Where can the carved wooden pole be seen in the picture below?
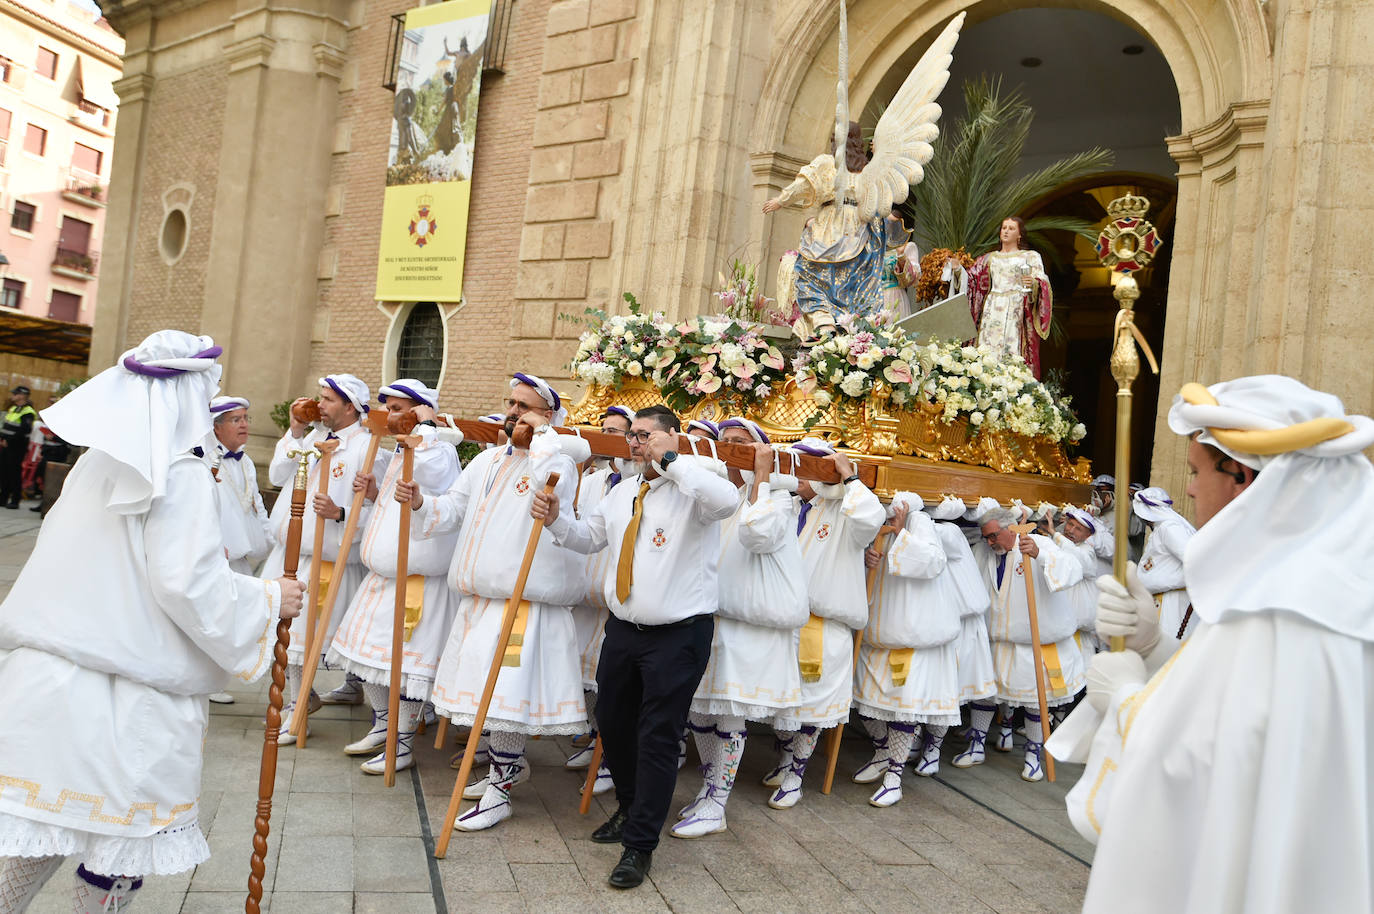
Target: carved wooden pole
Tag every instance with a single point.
(400, 425)
(267, 774)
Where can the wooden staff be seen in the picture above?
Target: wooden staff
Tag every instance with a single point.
(326, 449)
(833, 747)
(267, 774)
(502, 641)
(585, 806)
(1036, 653)
(400, 425)
(374, 422)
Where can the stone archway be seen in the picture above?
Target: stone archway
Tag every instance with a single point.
(1220, 54)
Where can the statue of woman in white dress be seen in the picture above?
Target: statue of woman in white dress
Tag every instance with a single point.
(1009, 295)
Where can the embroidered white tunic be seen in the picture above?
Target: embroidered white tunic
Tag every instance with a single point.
(243, 519)
(842, 521)
(1052, 571)
(345, 463)
(362, 644)
(753, 669)
(977, 679)
(489, 506)
(141, 617)
(589, 615)
(915, 606)
(1161, 571)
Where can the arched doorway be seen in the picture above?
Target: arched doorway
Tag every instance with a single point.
(1218, 55)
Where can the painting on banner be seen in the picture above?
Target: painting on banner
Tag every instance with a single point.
(429, 163)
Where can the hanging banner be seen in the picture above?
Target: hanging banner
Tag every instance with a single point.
(429, 166)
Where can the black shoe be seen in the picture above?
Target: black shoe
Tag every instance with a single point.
(609, 832)
(14, 506)
(37, 510)
(631, 870)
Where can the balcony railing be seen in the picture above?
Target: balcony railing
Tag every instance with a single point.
(83, 262)
(84, 184)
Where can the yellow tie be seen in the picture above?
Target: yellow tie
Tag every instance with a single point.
(624, 572)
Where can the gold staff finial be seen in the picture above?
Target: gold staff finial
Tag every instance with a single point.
(1127, 243)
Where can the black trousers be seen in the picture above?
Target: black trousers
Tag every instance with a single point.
(11, 472)
(645, 682)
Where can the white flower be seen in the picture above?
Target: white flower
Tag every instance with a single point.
(1077, 432)
(836, 376)
(976, 417)
(993, 414)
(822, 398)
(603, 373)
(853, 383)
(867, 359)
(634, 369)
(731, 355)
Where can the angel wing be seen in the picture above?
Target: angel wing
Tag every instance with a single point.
(901, 141)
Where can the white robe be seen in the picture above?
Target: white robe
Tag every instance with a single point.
(1220, 786)
(362, 643)
(973, 649)
(1013, 659)
(837, 531)
(753, 669)
(915, 605)
(1161, 571)
(345, 463)
(243, 519)
(1082, 596)
(123, 652)
(591, 613)
(490, 507)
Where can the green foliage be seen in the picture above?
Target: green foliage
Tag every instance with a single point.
(971, 186)
(281, 415)
(70, 385)
(468, 450)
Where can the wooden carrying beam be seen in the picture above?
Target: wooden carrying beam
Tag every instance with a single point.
(741, 456)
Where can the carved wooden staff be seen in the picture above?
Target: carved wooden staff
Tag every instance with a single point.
(833, 748)
(267, 774)
(400, 425)
(326, 449)
(502, 641)
(374, 422)
(1036, 653)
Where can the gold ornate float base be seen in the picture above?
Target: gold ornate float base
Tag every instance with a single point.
(915, 451)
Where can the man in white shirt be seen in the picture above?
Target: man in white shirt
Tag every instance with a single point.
(662, 525)
(362, 643)
(141, 617)
(753, 671)
(539, 689)
(243, 520)
(343, 400)
(837, 522)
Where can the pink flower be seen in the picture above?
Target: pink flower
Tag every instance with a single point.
(744, 371)
(773, 359)
(898, 373)
(708, 384)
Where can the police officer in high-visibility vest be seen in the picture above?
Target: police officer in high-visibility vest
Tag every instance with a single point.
(14, 443)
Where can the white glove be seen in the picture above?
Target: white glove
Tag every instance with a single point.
(1110, 671)
(1130, 613)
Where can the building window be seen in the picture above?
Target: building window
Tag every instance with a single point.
(22, 220)
(4, 134)
(46, 65)
(36, 140)
(12, 295)
(86, 159)
(420, 354)
(6, 68)
(65, 306)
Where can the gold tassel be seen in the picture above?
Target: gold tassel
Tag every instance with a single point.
(812, 649)
(415, 602)
(517, 634)
(899, 662)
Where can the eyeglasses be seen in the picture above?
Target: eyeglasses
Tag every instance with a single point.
(641, 437)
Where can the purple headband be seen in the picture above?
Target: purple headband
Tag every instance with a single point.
(526, 379)
(1140, 497)
(226, 407)
(706, 425)
(340, 391)
(1082, 517)
(406, 391)
(742, 424)
(810, 451)
(157, 371)
(623, 412)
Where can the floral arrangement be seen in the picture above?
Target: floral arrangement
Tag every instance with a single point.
(714, 356)
(741, 299)
(862, 356)
(705, 356)
(994, 393)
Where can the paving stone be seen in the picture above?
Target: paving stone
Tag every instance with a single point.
(393, 903)
(310, 902)
(390, 865)
(320, 814)
(315, 863)
(387, 816)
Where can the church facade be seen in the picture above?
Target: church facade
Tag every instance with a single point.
(627, 145)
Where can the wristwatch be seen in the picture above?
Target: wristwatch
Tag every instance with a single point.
(848, 479)
(667, 458)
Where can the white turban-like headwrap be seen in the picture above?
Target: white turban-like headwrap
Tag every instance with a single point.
(351, 388)
(1296, 539)
(150, 407)
(949, 508)
(410, 389)
(549, 395)
(221, 405)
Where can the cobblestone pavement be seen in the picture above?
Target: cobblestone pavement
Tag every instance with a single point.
(974, 840)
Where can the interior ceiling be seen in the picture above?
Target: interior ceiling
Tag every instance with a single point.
(1085, 91)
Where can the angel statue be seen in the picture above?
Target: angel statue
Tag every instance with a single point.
(839, 264)
(1009, 295)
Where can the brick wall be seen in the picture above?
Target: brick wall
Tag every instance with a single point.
(351, 328)
(185, 124)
